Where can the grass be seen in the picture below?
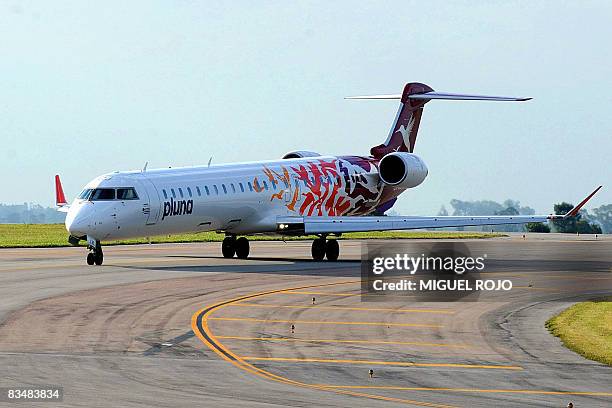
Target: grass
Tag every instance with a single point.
(586, 328)
(55, 235)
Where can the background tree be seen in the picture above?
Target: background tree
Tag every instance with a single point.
(537, 227)
(603, 216)
(566, 225)
(510, 227)
(580, 223)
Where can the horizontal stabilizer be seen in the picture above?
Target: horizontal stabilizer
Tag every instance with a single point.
(444, 96)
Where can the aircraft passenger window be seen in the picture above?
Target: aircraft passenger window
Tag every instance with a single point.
(233, 188)
(85, 194)
(265, 185)
(198, 190)
(224, 189)
(181, 192)
(103, 194)
(241, 187)
(189, 191)
(173, 193)
(128, 193)
(165, 194)
(207, 190)
(250, 186)
(216, 189)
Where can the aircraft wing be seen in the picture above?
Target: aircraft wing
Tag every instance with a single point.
(330, 225)
(307, 225)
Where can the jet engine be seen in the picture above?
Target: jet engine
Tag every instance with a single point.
(402, 170)
(299, 154)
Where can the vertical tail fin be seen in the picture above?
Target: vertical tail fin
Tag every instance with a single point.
(403, 133)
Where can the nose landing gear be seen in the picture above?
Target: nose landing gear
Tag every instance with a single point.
(95, 256)
(322, 247)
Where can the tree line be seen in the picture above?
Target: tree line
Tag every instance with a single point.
(596, 222)
(27, 213)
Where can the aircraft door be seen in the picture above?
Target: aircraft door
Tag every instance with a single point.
(151, 207)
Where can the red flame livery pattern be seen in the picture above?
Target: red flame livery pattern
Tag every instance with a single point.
(346, 185)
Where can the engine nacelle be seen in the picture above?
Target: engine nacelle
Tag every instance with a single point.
(402, 170)
(299, 154)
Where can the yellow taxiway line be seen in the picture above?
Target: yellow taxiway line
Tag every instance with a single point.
(474, 390)
(287, 339)
(199, 324)
(390, 363)
(249, 319)
(361, 309)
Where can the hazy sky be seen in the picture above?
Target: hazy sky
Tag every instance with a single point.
(92, 87)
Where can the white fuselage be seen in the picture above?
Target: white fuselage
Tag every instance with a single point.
(243, 198)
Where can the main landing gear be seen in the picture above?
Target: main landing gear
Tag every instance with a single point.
(322, 247)
(95, 255)
(235, 246)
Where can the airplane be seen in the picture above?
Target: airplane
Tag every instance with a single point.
(303, 193)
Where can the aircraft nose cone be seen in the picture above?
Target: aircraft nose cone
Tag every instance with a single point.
(78, 222)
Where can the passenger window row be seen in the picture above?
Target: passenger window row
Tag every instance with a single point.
(230, 188)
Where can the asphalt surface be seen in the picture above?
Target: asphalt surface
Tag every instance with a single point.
(178, 325)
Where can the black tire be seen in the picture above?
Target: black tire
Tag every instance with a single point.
(228, 247)
(242, 248)
(98, 257)
(318, 249)
(332, 250)
(90, 258)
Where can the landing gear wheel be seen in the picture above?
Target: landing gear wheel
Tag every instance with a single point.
(318, 249)
(95, 255)
(242, 248)
(332, 250)
(98, 256)
(228, 247)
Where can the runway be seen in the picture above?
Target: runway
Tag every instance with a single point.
(178, 325)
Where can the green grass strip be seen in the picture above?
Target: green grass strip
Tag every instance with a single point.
(586, 328)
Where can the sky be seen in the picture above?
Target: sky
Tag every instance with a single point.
(93, 87)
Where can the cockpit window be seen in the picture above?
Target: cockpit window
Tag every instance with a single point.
(85, 194)
(128, 193)
(103, 194)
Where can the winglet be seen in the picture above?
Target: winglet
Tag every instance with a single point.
(60, 198)
(574, 211)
